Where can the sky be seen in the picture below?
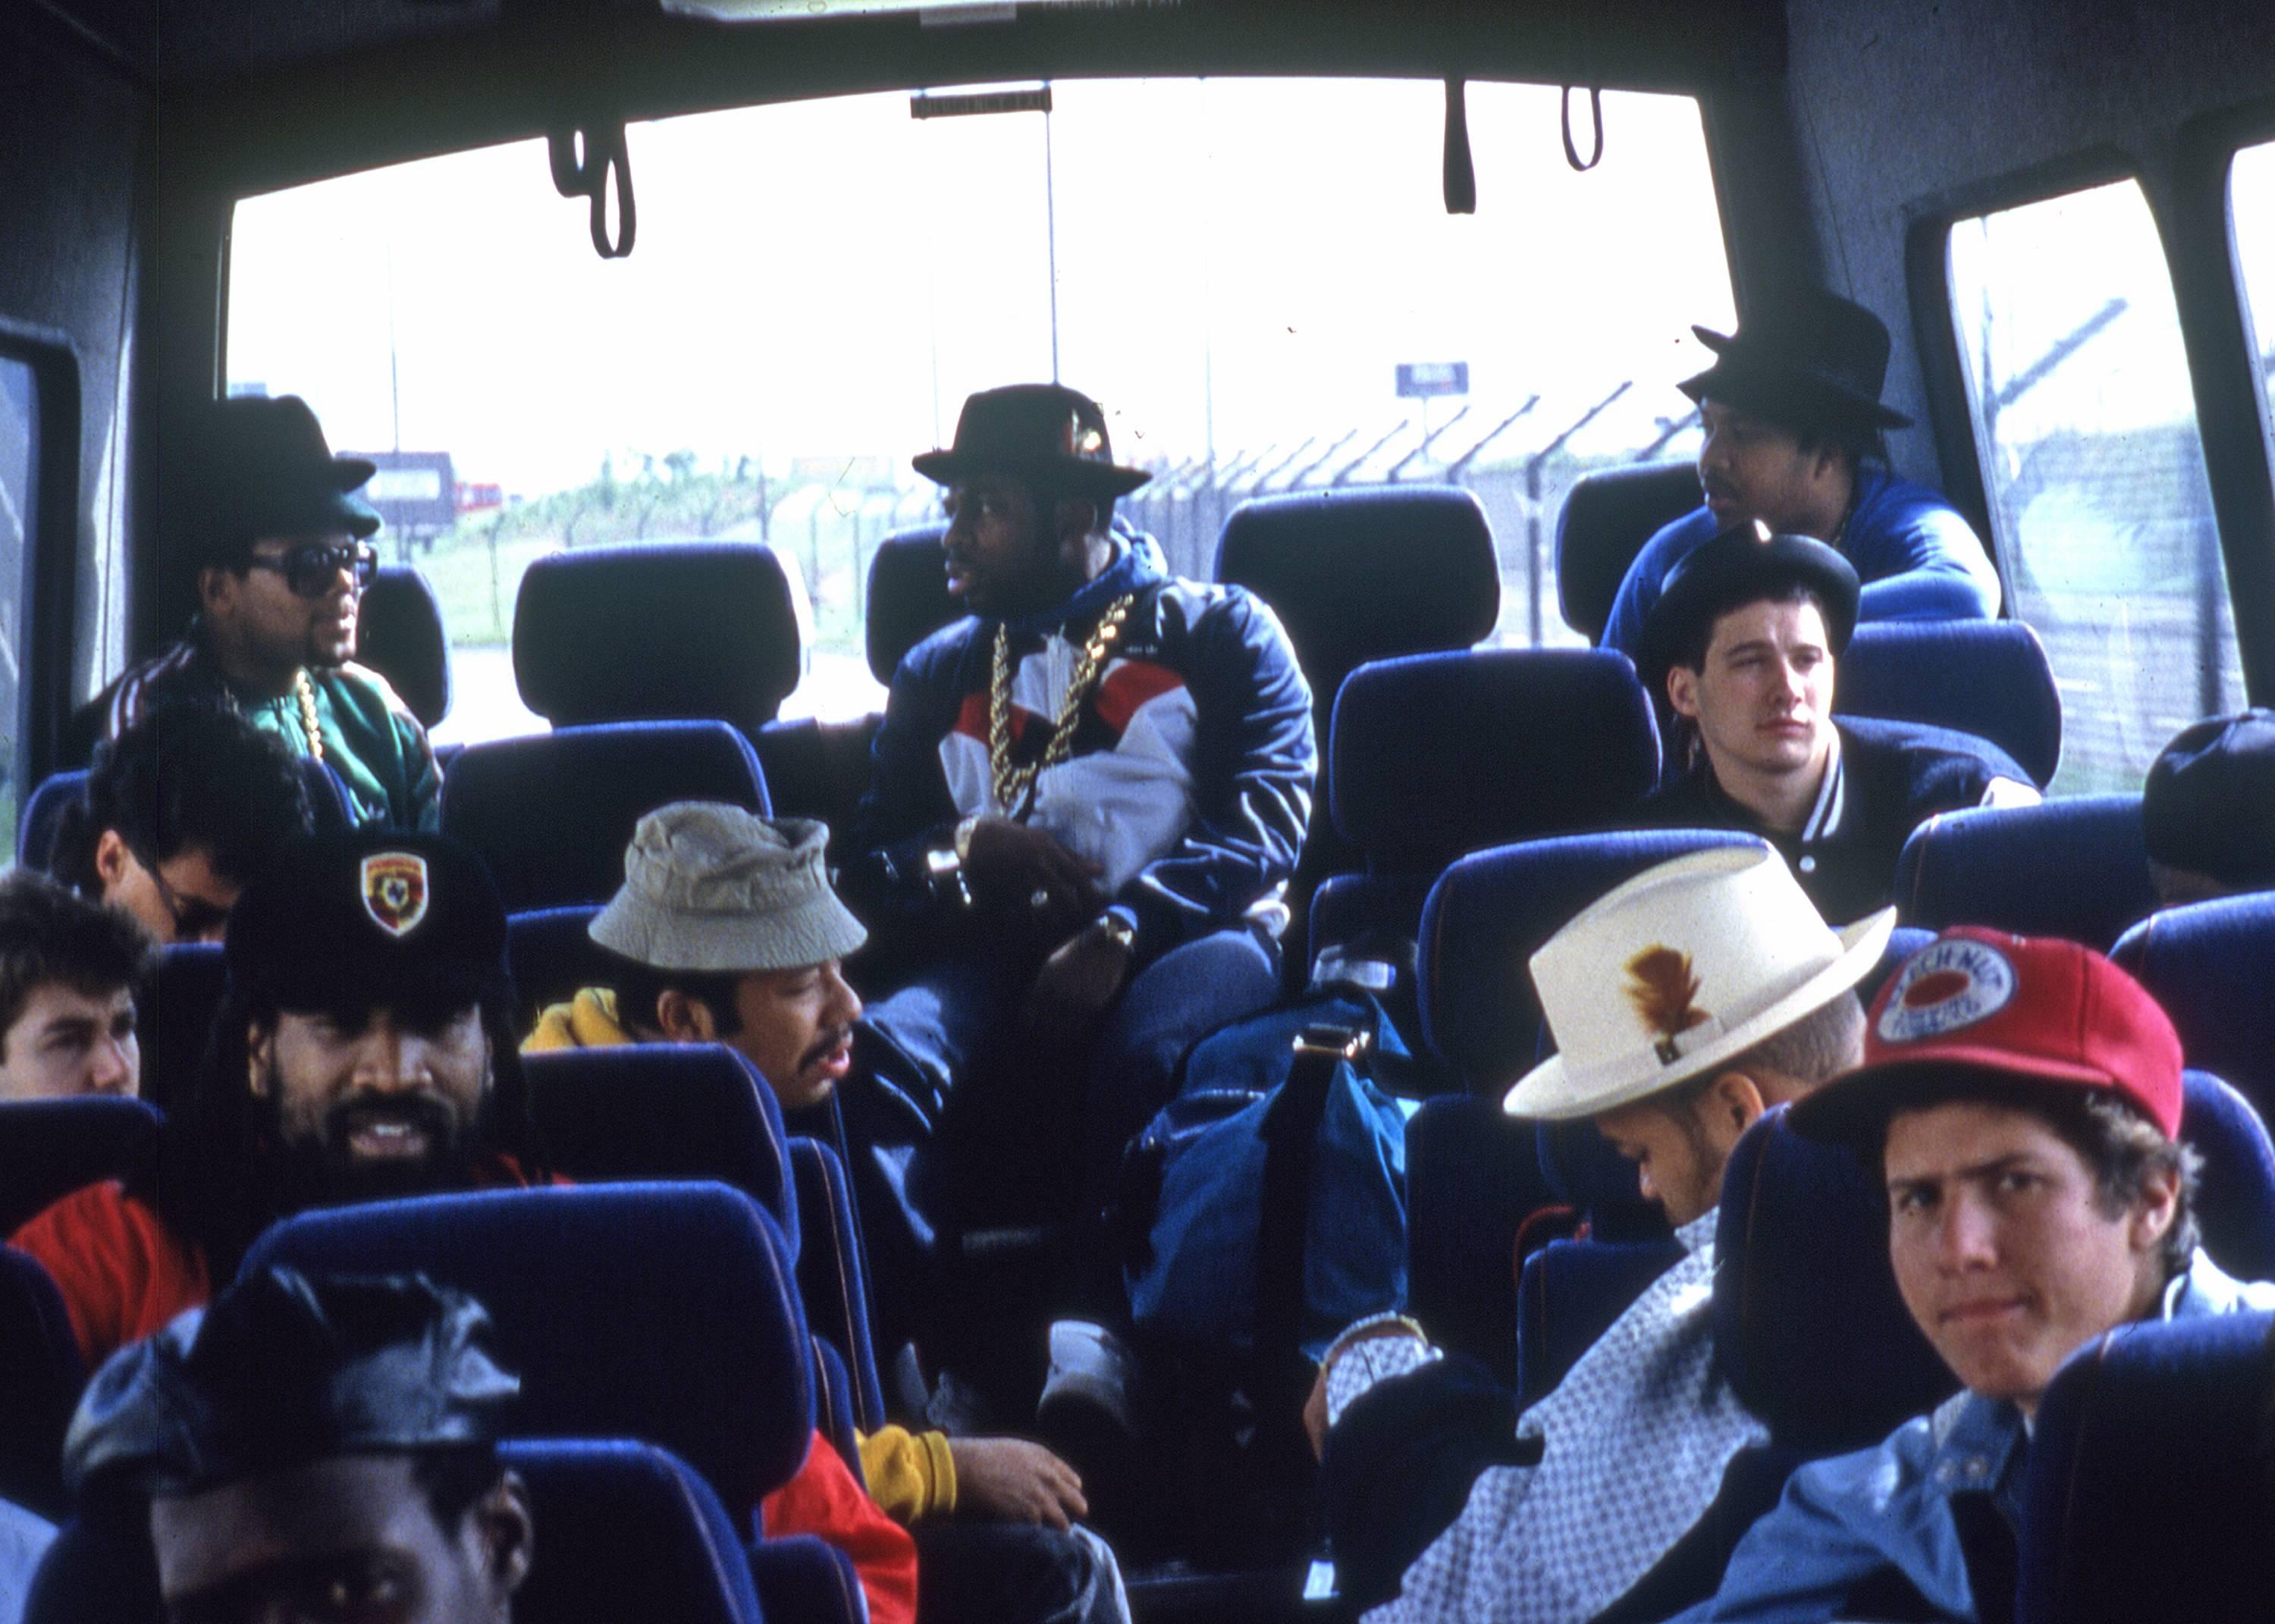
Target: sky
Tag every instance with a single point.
(1241, 265)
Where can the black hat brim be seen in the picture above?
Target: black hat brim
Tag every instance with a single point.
(1088, 479)
(1735, 568)
(1782, 392)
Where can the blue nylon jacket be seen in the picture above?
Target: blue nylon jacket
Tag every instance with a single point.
(1918, 559)
(1253, 756)
(1848, 1525)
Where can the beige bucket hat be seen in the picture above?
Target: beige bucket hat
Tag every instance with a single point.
(711, 886)
(1679, 969)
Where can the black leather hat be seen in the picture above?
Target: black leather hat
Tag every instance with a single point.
(281, 1371)
(366, 918)
(1043, 429)
(261, 467)
(1811, 361)
(2209, 806)
(1743, 565)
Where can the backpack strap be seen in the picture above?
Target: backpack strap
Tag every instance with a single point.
(1291, 1131)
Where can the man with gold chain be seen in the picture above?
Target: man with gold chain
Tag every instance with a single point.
(282, 554)
(1087, 800)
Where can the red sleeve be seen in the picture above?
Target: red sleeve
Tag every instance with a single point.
(122, 1273)
(824, 1501)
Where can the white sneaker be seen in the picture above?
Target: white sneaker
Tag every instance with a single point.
(1093, 1368)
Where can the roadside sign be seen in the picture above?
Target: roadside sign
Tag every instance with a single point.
(1421, 380)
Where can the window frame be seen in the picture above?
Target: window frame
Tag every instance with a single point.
(52, 548)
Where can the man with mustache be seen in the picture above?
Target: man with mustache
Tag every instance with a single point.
(2021, 1098)
(1742, 645)
(1794, 430)
(282, 546)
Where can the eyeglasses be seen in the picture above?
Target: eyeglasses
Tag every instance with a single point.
(195, 919)
(312, 567)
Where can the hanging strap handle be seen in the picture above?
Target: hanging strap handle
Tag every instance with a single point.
(1461, 171)
(1596, 116)
(603, 154)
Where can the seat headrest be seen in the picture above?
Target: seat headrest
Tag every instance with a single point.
(2235, 1202)
(552, 813)
(1435, 755)
(551, 955)
(1807, 1322)
(1491, 911)
(1989, 678)
(2075, 867)
(2148, 1493)
(627, 1531)
(661, 1312)
(663, 1112)
(2210, 965)
(43, 820)
(657, 630)
(908, 597)
(1606, 519)
(174, 1017)
(399, 634)
(1365, 574)
(51, 1147)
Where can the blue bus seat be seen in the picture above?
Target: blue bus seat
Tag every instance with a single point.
(654, 631)
(1569, 1295)
(1472, 1181)
(804, 1579)
(40, 824)
(2235, 1200)
(51, 1147)
(833, 1405)
(95, 1571)
(42, 1374)
(552, 813)
(908, 597)
(663, 1312)
(653, 1112)
(2075, 868)
(1987, 677)
(833, 1272)
(2210, 965)
(626, 1531)
(399, 634)
(2148, 1493)
(551, 955)
(1607, 517)
(174, 1015)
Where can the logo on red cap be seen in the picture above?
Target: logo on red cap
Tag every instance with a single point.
(394, 890)
(1949, 985)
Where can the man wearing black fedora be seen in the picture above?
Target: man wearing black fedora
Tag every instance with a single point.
(1794, 425)
(1087, 800)
(1741, 647)
(281, 544)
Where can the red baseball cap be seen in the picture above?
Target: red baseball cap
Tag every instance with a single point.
(2032, 1007)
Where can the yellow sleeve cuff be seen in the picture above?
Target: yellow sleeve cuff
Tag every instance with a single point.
(910, 1475)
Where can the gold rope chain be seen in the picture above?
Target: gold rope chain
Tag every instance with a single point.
(307, 691)
(1012, 783)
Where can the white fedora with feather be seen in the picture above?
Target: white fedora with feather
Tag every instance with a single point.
(1681, 968)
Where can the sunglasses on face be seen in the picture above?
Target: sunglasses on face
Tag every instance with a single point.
(311, 568)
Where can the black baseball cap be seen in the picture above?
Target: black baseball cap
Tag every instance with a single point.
(2209, 806)
(369, 917)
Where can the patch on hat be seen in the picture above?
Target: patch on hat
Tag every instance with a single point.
(1950, 984)
(394, 890)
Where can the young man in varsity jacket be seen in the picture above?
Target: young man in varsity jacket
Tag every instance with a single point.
(1087, 800)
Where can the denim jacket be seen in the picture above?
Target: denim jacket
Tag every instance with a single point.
(1849, 1524)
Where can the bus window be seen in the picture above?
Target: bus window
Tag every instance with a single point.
(2086, 428)
(20, 418)
(1257, 277)
(2251, 205)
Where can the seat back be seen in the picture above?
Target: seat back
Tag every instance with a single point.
(551, 954)
(908, 597)
(664, 1112)
(657, 630)
(2210, 965)
(661, 1312)
(626, 1531)
(1490, 912)
(399, 634)
(1807, 1322)
(551, 814)
(95, 1571)
(174, 1015)
(51, 1147)
(1570, 1294)
(2148, 1494)
(42, 1375)
(1365, 573)
(2075, 868)
(1472, 1181)
(1989, 679)
(1606, 518)
(2235, 1197)
(833, 1272)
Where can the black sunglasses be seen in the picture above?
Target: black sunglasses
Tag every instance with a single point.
(310, 569)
